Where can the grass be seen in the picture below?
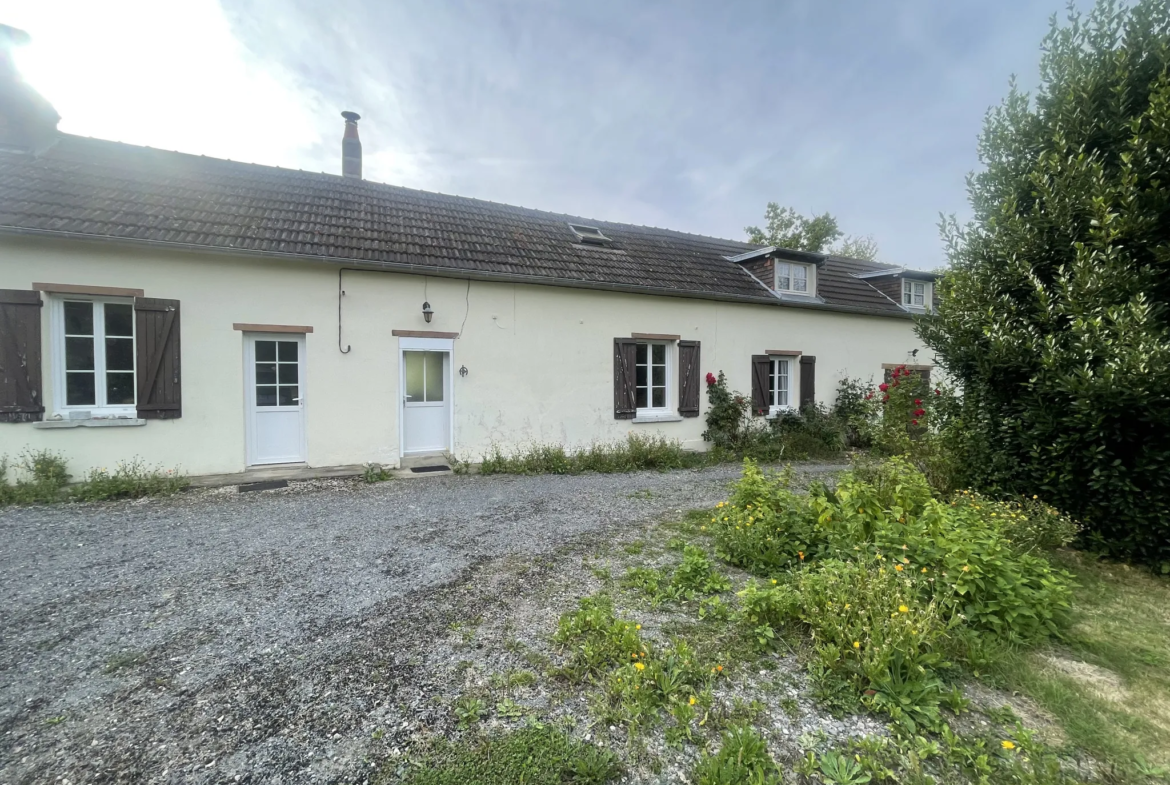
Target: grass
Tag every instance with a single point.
(535, 755)
(635, 453)
(1108, 682)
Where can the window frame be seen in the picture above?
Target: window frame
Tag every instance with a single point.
(792, 361)
(99, 409)
(669, 361)
(810, 278)
(908, 294)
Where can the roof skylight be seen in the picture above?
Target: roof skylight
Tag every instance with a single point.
(589, 234)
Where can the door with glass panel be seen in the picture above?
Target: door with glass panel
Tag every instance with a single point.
(274, 378)
(426, 400)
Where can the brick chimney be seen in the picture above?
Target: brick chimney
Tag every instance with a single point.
(351, 147)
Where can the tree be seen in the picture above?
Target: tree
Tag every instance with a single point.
(787, 228)
(1054, 316)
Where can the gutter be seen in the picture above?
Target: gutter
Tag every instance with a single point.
(416, 268)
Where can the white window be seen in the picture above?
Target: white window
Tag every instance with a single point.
(780, 384)
(94, 357)
(916, 294)
(794, 278)
(652, 377)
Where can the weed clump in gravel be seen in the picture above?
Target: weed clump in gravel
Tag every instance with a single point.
(44, 479)
(635, 453)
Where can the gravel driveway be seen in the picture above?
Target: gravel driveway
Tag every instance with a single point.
(258, 637)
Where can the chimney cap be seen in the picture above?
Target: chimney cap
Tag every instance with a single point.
(351, 117)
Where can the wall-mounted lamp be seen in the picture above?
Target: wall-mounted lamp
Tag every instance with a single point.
(428, 312)
(463, 370)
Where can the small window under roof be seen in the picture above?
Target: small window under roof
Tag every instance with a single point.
(590, 234)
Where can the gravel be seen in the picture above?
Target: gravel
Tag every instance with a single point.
(284, 636)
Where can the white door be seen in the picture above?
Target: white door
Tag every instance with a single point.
(274, 377)
(426, 398)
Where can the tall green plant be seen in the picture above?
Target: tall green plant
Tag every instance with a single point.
(1053, 317)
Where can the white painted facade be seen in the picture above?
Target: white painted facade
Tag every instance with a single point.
(539, 359)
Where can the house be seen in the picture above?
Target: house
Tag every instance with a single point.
(217, 316)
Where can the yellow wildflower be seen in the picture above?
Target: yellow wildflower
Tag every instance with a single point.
(857, 644)
(640, 665)
(692, 701)
(898, 567)
(903, 609)
(637, 626)
(1007, 745)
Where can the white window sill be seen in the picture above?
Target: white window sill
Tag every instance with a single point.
(110, 422)
(657, 417)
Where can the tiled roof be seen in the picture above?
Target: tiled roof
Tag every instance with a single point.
(90, 187)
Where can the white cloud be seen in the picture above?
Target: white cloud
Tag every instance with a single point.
(169, 75)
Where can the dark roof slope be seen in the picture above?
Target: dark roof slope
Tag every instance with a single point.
(96, 188)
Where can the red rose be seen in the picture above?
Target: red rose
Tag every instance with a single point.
(917, 401)
(938, 392)
(885, 398)
(883, 386)
(868, 396)
(896, 382)
(919, 412)
(914, 422)
(711, 379)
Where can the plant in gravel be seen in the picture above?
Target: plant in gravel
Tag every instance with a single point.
(509, 709)
(598, 640)
(374, 473)
(695, 577)
(469, 710)
(742, 759)
(637, 452)
(129, 480)
(836, 769)
(43, 477)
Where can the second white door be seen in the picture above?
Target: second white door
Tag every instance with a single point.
(426, 401)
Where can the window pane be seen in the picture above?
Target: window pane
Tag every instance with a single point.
(640, 354)
(266, 351)
(119, 354)
(434, 377)
(659, 353)
(288, 395)
(79, 354)
(119, 388)
(288, 351)
(640, 398)
(79, 389)
(265, 395)
(79, 318)
(658, 375)
(414, 376)
(266, 373)
(119, 319)
(659, 398)
(640, 375)
(288, 373)
(799, 278)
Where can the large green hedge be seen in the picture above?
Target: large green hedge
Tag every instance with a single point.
(1053, 317)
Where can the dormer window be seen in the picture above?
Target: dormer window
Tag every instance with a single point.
(590, 235)
(794, 278)
(916, 294)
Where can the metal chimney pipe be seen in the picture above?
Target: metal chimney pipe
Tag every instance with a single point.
(351, 147)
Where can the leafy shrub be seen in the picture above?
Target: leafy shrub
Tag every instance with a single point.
(637, 452)
(742, 759)
(732, 430)
(129, 480)
(846, 562)
(374, 473)
(43, 478)
(1053, 315)
(851, 408)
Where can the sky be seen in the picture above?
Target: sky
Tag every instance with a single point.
(672, 113)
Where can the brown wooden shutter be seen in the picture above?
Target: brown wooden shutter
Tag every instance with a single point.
(20, 356)
(761, 370)
(808, 380)
(625, 357)
(160, 395)
(688, 378)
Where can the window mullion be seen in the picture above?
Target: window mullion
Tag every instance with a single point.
(99, 354)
